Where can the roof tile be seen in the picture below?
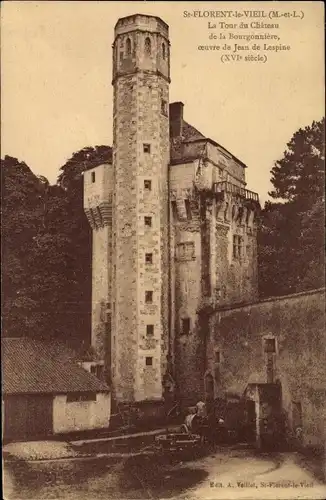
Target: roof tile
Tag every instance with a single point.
(31, 366)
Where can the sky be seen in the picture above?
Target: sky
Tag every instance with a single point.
(57, 92)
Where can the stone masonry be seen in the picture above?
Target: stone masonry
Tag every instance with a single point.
(177, 232)
(140, 164)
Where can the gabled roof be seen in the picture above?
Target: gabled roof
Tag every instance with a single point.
(190, 133)
(183, 140)
(30, 366)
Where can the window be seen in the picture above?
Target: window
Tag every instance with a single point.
(128, 47)
(186, 251)
(269, 345)
(146, 148)
(148, 185)
(149, 361)
(148, 258)
(297, 415)
(164, 107)
(163, 51)
(76, 397)
(237, 246)
(98, 371)
(217, 357)
(149, 297)
(188, 209)
(185, 326)
(148, 46)
(149, 330)
(148, 221)
(174, 210)
(93, 176)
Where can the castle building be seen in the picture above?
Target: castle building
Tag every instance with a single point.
(174, 229)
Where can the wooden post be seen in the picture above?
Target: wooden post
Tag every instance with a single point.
(257, 410)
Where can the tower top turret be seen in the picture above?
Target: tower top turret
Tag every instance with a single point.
(141, 22)
(141, 43)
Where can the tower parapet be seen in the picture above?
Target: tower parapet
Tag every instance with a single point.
(141, 44)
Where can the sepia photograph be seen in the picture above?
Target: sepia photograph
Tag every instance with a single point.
(163, 250)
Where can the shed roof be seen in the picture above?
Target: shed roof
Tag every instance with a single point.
(31, 366)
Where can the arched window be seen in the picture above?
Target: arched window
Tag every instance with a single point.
(148, 46)
(128, 47)
(163, 51)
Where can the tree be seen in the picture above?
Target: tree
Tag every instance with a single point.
(89, 157)
(299, 175)
(22, 222)
(290, 239)
(46, 251)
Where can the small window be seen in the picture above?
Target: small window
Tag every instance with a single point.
(93, 176)
(188, 209)
(217, 357)
(100, 371)
(186, 251)
(163, 51)
(149, 297)
(77, 397)
(237, 246)
(149, 330)
(148, 185)
(148, 221)
(128, 47)
(164, 107)
(149, 361)
(174, 210)
(148, 46)
(269, 345)
(147, 148)
(186, 326)
(148, 258)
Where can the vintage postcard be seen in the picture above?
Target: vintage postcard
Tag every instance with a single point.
(162, 202)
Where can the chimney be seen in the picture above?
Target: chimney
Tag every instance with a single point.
(176, 119)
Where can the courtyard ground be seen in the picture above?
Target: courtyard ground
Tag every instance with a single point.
(228, 473)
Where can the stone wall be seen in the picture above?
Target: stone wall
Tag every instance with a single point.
(235, 354)
(125, 223)
(140, 201)
(205, 270)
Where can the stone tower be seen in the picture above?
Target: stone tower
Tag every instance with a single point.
(140, 250)
(98, 186)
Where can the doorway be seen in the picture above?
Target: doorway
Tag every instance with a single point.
(209, 387)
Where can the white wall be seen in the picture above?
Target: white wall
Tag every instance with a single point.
(101, 190)
(98, 209)
(68, 417)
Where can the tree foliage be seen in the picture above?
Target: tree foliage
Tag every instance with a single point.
(46, 251)
(22, 211)
(291, 236)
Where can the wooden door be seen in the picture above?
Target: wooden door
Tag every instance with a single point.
(15, 410)
(40, 416)
(28, 416)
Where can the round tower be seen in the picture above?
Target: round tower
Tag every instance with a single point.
(141, 76)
